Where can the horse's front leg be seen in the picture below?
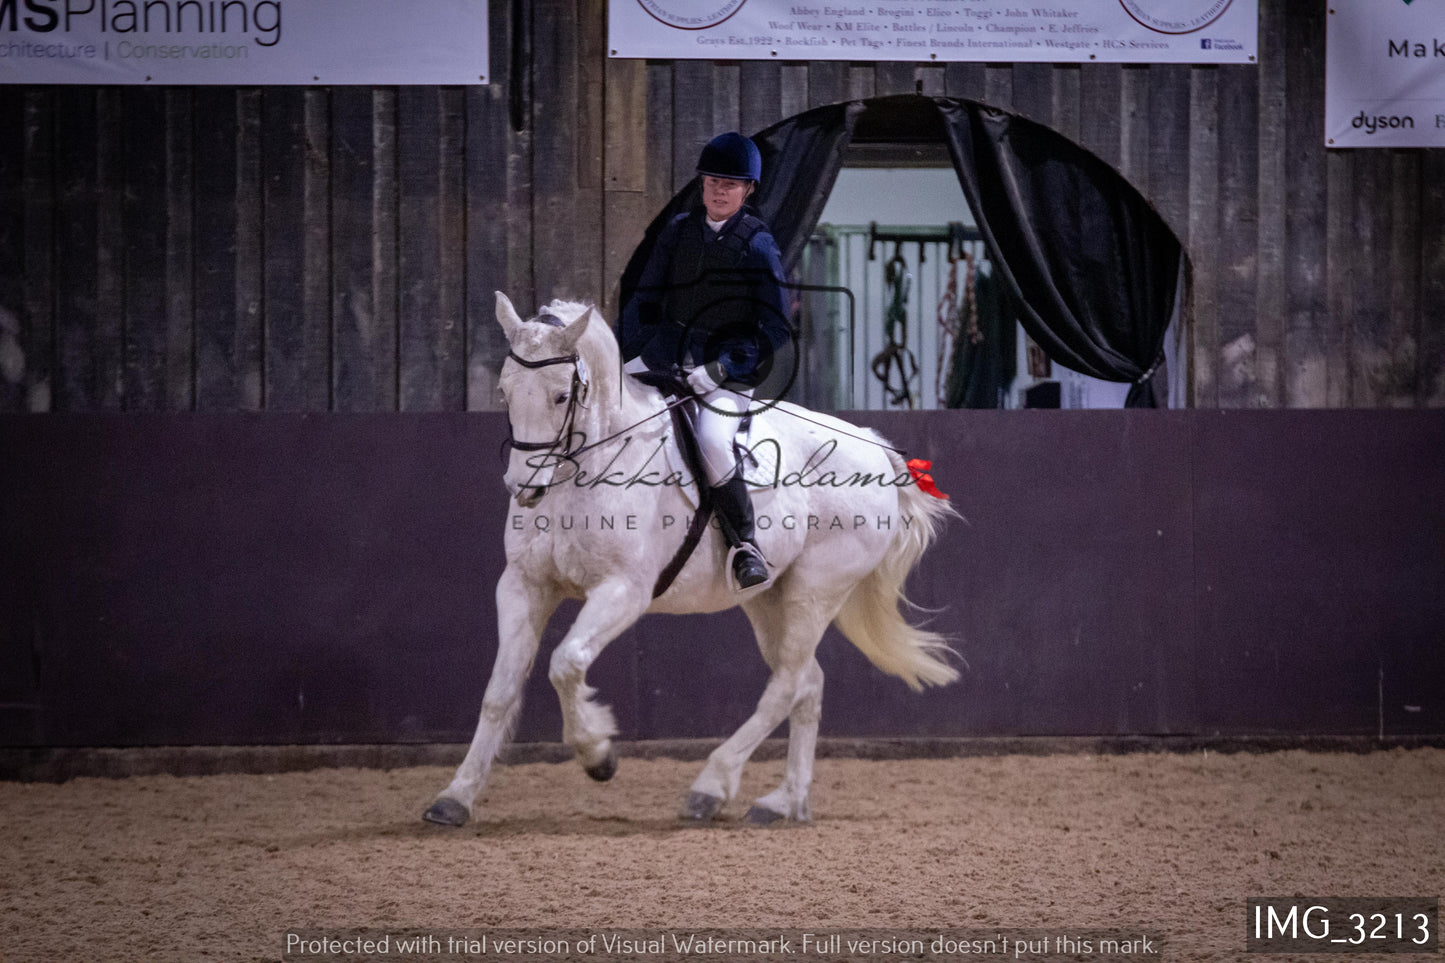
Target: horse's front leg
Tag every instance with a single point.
(522, 613)
(587, 726)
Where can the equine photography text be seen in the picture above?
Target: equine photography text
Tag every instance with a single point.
(541, 522)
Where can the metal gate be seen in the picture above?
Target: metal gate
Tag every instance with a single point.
(847, 334)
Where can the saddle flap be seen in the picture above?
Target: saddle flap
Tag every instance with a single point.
(758, 451)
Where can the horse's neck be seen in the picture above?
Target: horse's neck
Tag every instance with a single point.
(631, 409)
(638, 401)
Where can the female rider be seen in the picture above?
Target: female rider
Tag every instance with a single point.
(710, 303)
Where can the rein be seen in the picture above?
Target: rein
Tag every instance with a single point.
(704, 501)
(685, 441)
(618, 434)
(573, 401)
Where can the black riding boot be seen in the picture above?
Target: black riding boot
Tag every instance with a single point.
(735, 513)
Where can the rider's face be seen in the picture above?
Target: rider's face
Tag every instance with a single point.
(723, 196)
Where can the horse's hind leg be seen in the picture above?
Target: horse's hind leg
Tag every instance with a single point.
(788, 631)
(790, 799)
(587, 726)
(522, 613)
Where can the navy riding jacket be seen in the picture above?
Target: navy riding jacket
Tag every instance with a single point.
(709, 296)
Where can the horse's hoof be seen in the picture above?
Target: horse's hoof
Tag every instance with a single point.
(446, 812)
(763, 816)
(605, 769)
(699, 807)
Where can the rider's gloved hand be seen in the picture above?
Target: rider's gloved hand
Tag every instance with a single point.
(701, 381)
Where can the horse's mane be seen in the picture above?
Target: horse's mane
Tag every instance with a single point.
(560, 310)
(536, 330)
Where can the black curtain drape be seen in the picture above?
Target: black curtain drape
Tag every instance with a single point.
(801, 159)
(1091, 267)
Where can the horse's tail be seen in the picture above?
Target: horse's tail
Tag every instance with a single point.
(871, 617)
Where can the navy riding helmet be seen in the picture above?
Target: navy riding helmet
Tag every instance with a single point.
(731, 155)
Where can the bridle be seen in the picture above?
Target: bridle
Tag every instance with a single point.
(576, 396)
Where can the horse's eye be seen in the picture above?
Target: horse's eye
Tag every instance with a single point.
(560, 399)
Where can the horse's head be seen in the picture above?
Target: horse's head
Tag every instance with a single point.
(545, 381)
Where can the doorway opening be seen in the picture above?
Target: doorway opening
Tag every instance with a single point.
(946, 254)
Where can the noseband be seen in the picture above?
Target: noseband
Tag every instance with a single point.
(573, 400)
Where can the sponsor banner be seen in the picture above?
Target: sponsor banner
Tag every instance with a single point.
(243, 42)
(1113, 31)
(1385, 73)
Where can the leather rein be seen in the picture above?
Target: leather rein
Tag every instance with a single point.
(575, 398)
(704, 510)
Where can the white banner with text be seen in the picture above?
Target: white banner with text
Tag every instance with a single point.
(1385, 73)
(1057, 31)
(243, 42)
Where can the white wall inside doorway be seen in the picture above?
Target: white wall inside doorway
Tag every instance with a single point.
(915, 197)
(896, 196)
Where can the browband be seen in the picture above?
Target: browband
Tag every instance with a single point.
(560, 359)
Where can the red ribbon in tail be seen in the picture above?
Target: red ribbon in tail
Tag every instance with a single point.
(919, 468)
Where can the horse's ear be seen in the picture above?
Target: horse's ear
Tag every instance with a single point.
(573, 334)
(507, 316)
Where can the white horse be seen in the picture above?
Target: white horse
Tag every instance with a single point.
(846, 524)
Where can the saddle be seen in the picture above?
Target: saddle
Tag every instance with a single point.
(673, 384)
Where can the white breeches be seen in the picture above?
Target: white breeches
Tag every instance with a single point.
(718, 420)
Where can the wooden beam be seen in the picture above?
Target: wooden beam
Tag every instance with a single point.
(1202, 242)
(144, 231)
(13, 359)
(1305, 373)
(1237, 378)
(79, 374)
(1432, 280)
(1272, 304)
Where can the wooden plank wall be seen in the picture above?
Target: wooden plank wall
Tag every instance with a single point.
(312, 249)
